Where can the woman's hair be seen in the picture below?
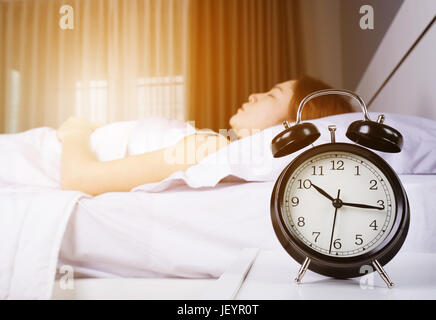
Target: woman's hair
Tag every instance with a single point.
(317, 107)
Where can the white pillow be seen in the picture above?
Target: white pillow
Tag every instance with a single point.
(418, 155)
(119, 139)
(250, 158)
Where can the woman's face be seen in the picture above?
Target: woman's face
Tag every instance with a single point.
(263, 110)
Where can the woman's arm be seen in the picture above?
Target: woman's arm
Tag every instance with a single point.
(81, 170)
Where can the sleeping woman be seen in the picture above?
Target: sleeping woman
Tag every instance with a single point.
(81, 170)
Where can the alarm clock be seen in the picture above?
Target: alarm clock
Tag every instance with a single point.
(339, 208)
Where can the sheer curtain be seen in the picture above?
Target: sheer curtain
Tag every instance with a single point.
(123, 60)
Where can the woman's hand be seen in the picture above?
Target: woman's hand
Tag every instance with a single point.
(76, 126)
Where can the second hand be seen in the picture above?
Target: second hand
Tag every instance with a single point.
(334, 222)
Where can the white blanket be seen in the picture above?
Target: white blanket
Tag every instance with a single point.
(34, 211)
(32, 224)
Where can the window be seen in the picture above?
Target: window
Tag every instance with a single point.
(161, 96)
(155, 96)
(13, 120)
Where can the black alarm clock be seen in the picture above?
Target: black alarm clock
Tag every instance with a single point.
(338, 208)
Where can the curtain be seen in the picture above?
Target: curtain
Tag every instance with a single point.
(192, 60)
(239, 47)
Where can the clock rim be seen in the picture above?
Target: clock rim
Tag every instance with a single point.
(341, 267)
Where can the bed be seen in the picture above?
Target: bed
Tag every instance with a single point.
(191, 240)
(404, 59)
(195, 234)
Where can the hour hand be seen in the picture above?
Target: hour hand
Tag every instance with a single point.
(360, 205)
(325, 194)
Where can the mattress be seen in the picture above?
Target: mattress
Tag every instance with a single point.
(197, 233)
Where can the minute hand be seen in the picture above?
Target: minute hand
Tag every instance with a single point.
(360, 205)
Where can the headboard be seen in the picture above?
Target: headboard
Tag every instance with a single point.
(401, 77)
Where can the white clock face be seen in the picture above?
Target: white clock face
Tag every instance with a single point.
(339, 204)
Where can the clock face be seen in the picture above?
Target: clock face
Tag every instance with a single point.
(339, 204)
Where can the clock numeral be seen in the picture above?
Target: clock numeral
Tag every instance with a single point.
(337, 244)
(381, 203)
(374, 225)
(373, 185)
(314, 171)
(316, 233)
(306, 184)
(295, 201)
(357, 171)
(359, 240)
(301, 222)
(339, 165)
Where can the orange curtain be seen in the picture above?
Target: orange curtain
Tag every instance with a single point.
(238, 47)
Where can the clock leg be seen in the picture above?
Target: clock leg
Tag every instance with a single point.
(302, 271)
(382, 273)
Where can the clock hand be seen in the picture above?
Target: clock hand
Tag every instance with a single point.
(359, 205)
(325, 194)
(334, 223)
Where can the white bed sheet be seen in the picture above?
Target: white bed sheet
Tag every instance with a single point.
(197, 233)
(181, 232)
